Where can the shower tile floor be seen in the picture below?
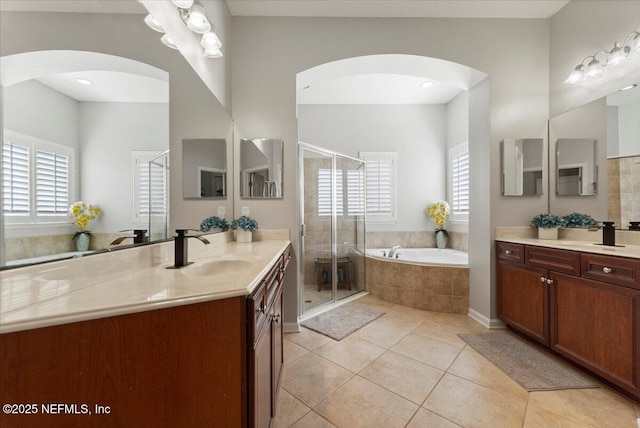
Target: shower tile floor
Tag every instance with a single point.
(313, 297)
(409, 369)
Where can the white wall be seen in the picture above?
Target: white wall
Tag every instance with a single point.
(109, 133)
(36, 110)
(269, 52)
(629, 123)
(415, 132)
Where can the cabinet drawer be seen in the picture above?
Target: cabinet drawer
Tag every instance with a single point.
(258, 312)
(512, 252)
(552, 259)
(614, 270)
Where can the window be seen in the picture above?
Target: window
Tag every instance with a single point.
(150, 196)
(380, 177)
(459, 182)
(37, 180)
(324, 192)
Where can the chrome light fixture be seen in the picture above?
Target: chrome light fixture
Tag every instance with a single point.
(617, 56)
(195, 18)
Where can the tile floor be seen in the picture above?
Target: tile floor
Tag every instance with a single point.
(409, 369)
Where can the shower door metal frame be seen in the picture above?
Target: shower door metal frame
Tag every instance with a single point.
(334, 222)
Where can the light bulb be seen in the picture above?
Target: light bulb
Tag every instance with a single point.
(427, 84)
(197, 21)
(168, 42)
(576, 75)
(617, 55)
(212, 53)
(183, 4)
(153, 23)
(83, 81)
(594, 69)
(210, 41)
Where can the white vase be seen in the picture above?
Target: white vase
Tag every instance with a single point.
(244, 235)
(441, 238)
(550, 233)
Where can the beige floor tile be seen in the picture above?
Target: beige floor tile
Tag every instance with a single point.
(539, 418)
(430, 351)
(472, 366)
(360, 403)
(382, 333)
(289, 409)
(293, 351)
(443, 331)
(403, 376)
(424, 418)
(404, 317)
(637, 410)
(308, 339)
(351, 353)
(597, 406)
(370, 300)
(471, 405)
(312, 378)
(313, 420)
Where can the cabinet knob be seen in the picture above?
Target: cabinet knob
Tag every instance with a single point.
(543, 279)
(507, 252)
(260, 309)
(607, 269)
(276, 318)
(549, 281)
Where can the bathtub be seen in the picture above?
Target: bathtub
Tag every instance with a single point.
(423, 256)
(429, 279)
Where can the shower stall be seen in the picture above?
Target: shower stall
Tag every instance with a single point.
(332, 228)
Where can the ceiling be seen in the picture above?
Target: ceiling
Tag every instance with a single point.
(324, 8)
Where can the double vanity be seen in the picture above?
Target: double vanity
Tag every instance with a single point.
(580, 299)
(118, 339)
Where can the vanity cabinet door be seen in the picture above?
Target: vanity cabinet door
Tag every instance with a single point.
(260, 385)
(596, 325)
(523, 299)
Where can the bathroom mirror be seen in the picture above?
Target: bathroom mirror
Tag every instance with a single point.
(576, 167)
(204, 169)
(522, 166)
(261, 161)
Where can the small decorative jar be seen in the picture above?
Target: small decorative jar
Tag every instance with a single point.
(442, 236)
(244, 235)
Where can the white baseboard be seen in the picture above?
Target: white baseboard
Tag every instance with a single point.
(487, 322)
(291, 327)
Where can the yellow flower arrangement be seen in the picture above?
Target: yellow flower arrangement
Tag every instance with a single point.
(439, 211)
(82, 214)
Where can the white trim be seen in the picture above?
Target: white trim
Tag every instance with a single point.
(291, 327)
(487, 322)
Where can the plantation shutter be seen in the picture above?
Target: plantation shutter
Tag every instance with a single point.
(324, 192)
(52, 183)
(460, 183)
(15, 179)
(151, 189)
(355, 192)
(379, 187)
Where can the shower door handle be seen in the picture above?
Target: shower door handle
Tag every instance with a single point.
(302, 229)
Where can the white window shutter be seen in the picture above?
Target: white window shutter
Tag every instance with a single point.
(15, 179)
(52, 183)
(460, 183)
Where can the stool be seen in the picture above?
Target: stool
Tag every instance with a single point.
(323, 269)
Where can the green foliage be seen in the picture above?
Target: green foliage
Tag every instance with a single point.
(547, 221)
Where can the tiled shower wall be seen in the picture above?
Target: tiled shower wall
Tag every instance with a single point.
(624, 190)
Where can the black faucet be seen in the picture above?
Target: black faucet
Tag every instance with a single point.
(139, 236)
(181, 255)
(608, 234)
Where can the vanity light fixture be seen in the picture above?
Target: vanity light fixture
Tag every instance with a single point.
(195, 18)
(84, 81)
(615, 57)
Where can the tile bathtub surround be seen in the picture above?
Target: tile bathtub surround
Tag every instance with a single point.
(415, 239)
(408, 368)
(432, 288)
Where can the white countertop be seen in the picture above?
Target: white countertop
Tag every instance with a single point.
(575, 245)
(127, 281)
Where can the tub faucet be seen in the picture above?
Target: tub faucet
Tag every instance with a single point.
(139, 236)
(393, 250)
(181, 254)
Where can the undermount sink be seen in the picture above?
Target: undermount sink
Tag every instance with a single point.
(220, 266)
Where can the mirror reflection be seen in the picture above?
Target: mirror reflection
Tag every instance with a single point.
(576, 167)
(261, 168)
(77, 136)
(204, 169)
(522, 167)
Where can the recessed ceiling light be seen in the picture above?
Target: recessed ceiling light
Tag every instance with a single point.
(427, 84)
(626, 88)
(83, 81)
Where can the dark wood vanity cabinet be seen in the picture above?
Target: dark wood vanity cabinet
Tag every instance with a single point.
(266, 357)
(584, 306)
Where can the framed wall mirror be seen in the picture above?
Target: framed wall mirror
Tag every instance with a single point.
(576, 167)
(204, 168)
(261, 161)
(522, 167)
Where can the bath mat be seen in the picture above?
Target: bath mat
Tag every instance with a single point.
(340, 322)
(532, 368)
